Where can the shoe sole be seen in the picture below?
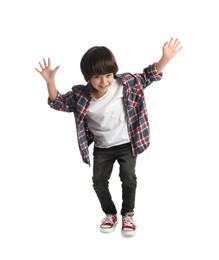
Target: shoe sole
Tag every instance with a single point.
(128, 233)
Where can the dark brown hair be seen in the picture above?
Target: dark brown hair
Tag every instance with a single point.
(98, 60)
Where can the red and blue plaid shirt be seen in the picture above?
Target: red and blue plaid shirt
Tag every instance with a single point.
(78, 99)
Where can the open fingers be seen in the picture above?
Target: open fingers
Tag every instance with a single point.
(44, 66)
(40, 65)
(49, 62)
(44, 61)
(173, 43)
(38, 70)
(170, 42)
(176, 45)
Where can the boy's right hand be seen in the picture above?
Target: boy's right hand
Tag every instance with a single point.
(47, 73)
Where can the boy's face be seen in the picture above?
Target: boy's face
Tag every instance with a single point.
(101, 84)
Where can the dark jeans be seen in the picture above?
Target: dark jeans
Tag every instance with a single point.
(104, 160)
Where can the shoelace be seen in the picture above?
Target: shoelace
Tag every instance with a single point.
(127, 220)
(108, 219)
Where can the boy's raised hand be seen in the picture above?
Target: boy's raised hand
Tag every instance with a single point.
(47, 73)
(171, 48)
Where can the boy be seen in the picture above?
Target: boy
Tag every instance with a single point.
(111, 111)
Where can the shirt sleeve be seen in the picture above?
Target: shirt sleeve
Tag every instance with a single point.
(149, 75)
(63, 102)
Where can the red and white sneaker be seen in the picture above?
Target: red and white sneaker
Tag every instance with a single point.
(108, 223)
(128, 225)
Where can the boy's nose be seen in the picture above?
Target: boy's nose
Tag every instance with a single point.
(103, 79)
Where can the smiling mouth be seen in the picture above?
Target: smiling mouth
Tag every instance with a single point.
(103, 87)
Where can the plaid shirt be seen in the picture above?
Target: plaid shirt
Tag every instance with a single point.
(78, 99)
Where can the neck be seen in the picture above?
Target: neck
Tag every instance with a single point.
(97, 94)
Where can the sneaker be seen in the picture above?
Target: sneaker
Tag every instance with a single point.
(128, 225)
(108, 223)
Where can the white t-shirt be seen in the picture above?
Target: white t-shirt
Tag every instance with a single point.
(106, 118)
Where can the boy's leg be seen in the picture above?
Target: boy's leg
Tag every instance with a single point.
(102, 169)
(128, 178)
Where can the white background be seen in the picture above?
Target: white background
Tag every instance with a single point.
(48, 209)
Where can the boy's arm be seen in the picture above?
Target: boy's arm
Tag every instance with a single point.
(154, 72)
(52, 91)
(56, 100)
(64, 102)
(170, 49)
